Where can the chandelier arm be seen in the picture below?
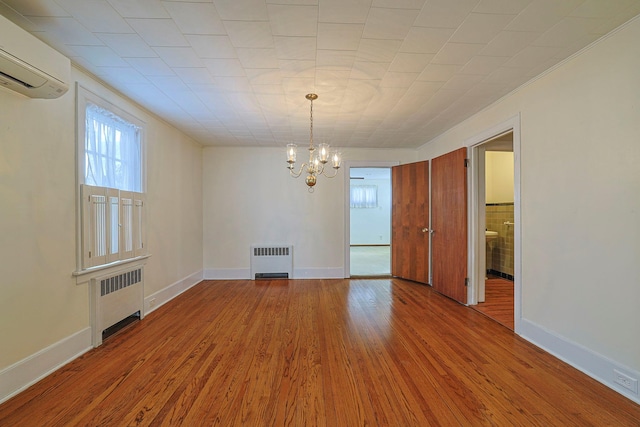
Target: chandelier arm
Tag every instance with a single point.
(331, 176)
(297, 174)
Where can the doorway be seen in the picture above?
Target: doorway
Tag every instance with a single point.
(369, 252)
(495, 224)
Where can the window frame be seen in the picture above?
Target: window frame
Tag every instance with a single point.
(83, 98)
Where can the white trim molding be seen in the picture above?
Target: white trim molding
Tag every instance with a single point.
(157, 299)
(28, 371)
(598, 367)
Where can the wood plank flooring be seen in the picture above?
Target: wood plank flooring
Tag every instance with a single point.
(317, 353)
(498, 303)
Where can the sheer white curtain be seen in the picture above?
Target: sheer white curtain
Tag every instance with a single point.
(112, 151)
(364, 196)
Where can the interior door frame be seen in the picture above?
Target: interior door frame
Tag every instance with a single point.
(348, 164)
(476, 217)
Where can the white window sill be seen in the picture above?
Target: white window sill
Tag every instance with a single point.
(86, 275)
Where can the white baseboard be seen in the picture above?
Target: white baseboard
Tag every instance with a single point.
(155, 300)
(595, 365)
(298, 273)
(318, 273)
(227, 274)
(32, 369)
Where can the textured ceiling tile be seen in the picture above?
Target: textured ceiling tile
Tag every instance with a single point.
(444, 13)
(389, 23)
(140, 9)
(457, 53)
(297, 68)
(179, 56)
(541, 15)
(410, 82)
(462, 82)
(224, 67)
(378, 50)
(293, 20)
(193, 75)
(399, 4)
(212, 46)
(246, 10)
(333, 78)
(257, 58)
(335, 59)
(295, 47)
(363, 70)
(195, 18)
(567, 32)
(508, 43)
(150, 66)
(600, 9)
(37, 7)
(341, 11)
(263, 77)
(249, 34)
(439, 72)
(65, 31)
(121, 74)
(127, 45)
(395, 79)
(99, 56)
(410, 62)
(339, 36)
(483, 65)
(425, 40)
(480, 28)
(158, 32)
(531, 56)
(96, 16)
(508, 7)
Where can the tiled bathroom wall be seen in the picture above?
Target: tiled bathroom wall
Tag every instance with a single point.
(500, 256)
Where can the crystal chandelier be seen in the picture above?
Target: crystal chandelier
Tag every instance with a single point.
(318, 157)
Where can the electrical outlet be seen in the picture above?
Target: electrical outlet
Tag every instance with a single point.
(152, 302)
(625, 381)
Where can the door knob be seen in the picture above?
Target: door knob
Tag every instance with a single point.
(424, 230)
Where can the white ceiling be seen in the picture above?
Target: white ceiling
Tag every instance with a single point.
(389, 73)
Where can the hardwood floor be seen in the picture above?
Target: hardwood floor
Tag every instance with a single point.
(498, 303)
(317, 353)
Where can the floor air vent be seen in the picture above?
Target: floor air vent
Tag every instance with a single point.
(271, 261)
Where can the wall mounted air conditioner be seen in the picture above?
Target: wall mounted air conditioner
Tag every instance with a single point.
(30, 66)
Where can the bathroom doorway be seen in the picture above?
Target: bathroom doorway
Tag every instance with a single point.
(495, 183)
(369, 206)
(495, 298)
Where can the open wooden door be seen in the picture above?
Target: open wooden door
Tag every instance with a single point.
(449, 224)
(410, 221)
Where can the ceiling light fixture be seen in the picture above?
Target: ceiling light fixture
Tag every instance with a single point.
(318, 158)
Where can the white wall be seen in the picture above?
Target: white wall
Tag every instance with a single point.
(499, 177)
(372, 226)
(580, 199)
(42, 310)
(249, 198)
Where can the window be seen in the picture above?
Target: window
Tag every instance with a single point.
(111, 150)
(364, 196)
(111, 177)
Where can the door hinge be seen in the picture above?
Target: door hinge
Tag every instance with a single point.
(466, 282)
(466, 163)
